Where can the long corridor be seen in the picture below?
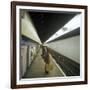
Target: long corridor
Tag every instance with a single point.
(60, 33)
(37, 68)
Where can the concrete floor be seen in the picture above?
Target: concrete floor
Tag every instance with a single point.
(36, 70)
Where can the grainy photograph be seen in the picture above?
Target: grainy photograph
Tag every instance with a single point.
(48, 44)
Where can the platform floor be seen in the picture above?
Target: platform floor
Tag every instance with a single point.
(36, 69)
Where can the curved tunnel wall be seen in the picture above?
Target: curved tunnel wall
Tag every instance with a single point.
(69, 47)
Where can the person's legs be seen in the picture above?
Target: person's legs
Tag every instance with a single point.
(46, 68)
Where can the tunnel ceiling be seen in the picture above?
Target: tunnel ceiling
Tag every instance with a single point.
(47, 23)
(75, 32)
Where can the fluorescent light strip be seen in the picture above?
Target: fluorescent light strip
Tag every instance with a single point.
(71, 25)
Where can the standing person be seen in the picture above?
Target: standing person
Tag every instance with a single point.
(31, 53)
(45, 56)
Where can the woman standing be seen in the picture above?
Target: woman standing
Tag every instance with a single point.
(45, 56)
